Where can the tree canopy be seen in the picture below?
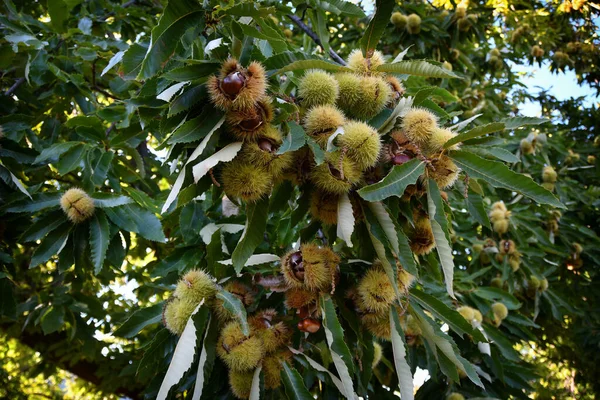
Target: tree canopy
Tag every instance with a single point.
(264, 199)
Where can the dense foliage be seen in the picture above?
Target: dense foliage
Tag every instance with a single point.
(313, 248)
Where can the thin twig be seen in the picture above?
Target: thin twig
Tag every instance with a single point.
(14, 87)
(296, 20)
(104, 92)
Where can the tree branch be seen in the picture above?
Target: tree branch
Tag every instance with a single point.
(14, 87)
(296, 20)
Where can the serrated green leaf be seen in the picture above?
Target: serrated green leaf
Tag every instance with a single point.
(495, 152)
(417, 68)
(499, 339)
(39, 201)
(477, 209)
(395, 182)
(140, 319)
(234, 305)
(133, 218)
(197, 128)
(293, 384)
(71, 159)
(256, 222)
(498, 175)
(207, 357)
(295, 139)
(403, 370)
(380, 20)
(101, 168)
(54, 151)
(177, 18)
(340, 353)
(497, 294)
(107, 200)
(247, 10)
(438, 340)
(341, 7)
(317, 151)
(53, 319)
(44, 225)
(51, 245)
(99, 239)
(192, 72)
(516, 122)
(440, 310)
(313, 64)
(475, 132)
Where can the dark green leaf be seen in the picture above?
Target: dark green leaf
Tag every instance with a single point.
(381, 18)
(53, 319)
(475, 132)
(43, 225)
(99, 239)
(417, 68)
(234, 305)
(293, 384)
(395, 182)
(256, 222)
(498, 175)
(51, 245)
(177, 17)
(71, 159)
(295, 139)
(192, 72)
(53, 152)
(140, 319)
(134, 218)
(106, 200)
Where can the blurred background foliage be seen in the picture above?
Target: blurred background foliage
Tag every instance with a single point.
(68, 70)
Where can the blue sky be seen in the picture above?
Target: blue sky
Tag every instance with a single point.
(562, 85)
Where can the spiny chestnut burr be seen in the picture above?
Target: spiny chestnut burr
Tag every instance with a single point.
(77, 204)
(312, 267)
(237, 88)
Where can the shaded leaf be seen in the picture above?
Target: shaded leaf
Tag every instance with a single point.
(256, 222)
(140, 319)
(99, 239)
(380, 20)
(395, 182)
(234, 305)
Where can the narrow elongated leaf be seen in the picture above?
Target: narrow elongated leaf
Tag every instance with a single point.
(382, 247)
(101, 168)
(235, 307)
(293, 384)
(498, 175)
(386, 223)
(53, 319)
(516, 122)
(438, 340)
(134, 218)
(183, 356)
(192, 72)
(38, 201)
(255, 259)
(294, 140)
(345, 223)
(445, 254)
(475, 132)
(99, 239)
(10, 178)
(395, 182)
(107, 200)
(255, 387)
(197, 128)
(340, 353)
(140, 319)
(477, 209)
(497, 294)
(207, 357)
(114, 60)
(256, 222)
(336, 381)
(51, 245)
(499, 339)
(452, 317)
(226, 154)
(177, 18)
(301, 65)
(195, 154)
(43, 225)
(381, 18)
(417, 68)
(54, 151)
(341, 7)
(405, 379)
(492, 151)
